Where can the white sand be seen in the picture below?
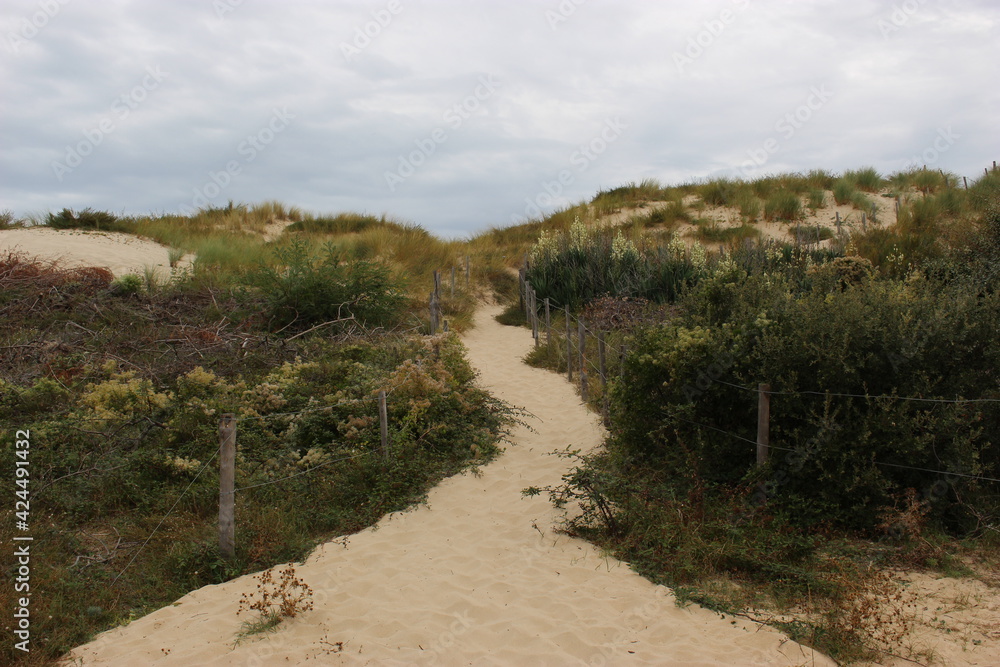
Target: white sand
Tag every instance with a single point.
(468, 578)
(120, 253)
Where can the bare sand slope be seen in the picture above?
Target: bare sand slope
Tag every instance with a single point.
(120, 253)
(467, 579)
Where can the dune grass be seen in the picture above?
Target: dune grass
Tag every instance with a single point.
(783, 205)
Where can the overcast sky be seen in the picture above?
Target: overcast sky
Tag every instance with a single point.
(458, 115)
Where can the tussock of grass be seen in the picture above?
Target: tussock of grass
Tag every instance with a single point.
(866, 179)
(630, 195)
(713, 233)
(783, 205)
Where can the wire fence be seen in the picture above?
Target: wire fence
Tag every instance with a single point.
(230, 421)
(539, 314)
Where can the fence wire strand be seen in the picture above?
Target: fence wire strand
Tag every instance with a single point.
(620, 350)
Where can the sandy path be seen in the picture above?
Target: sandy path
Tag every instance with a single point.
(466, 579)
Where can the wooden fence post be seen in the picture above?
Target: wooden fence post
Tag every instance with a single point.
(227, 483)
(437, 283)
(838, 223)
(434, 314)
(569, 348)
(581, 341)
(763, 422)
(534, 318)
(603, 367)
(383, 419)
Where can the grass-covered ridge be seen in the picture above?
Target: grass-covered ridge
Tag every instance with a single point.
(879, 345)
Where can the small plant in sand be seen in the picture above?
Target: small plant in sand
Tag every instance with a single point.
(174, 256)
(274, 600)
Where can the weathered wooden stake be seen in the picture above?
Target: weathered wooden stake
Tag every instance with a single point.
(383, 420)
(763, 422)
(434, 314)
(864, 222)
(227, 482)
(445, 328)
(838, 223)
(437, 283)
(582, 342)
(966, 181)
(603, 366)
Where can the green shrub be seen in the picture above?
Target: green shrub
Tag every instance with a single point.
(713, 233)
(306, 290)
(720, 192)
(87, 219)
(816, 199)
(843, 191)
(867, 179)
(862, 202)
(984, 197)
(783, 205)
(819, 179)
(574, 268)
(857, 342)
(664, 217)
(810, 233)
(928, 181)
(128, 284)
(749, 205)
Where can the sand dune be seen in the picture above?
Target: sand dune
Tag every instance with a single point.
(476, 576)
(120, 253)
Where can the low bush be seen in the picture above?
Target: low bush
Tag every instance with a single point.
(304, 291)
(87, 219)
(866, 179)
(843, 191)
(783, 205)
(855, 342)
(572, 269)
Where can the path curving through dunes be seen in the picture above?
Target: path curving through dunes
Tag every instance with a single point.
(477, 576)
